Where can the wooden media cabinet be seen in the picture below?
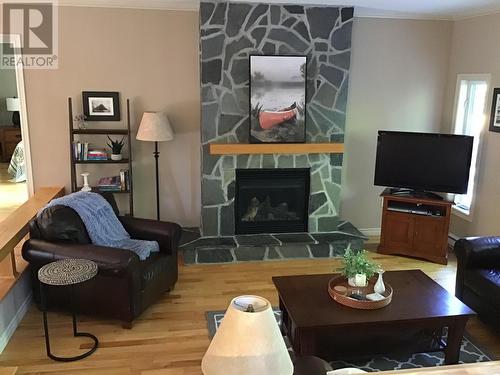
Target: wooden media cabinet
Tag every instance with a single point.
(415, 226)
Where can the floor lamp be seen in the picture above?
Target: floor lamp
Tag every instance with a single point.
(155, 127)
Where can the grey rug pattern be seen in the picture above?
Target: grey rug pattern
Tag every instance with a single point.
(469, 353)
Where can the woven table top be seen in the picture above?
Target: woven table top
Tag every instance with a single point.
(67, 272)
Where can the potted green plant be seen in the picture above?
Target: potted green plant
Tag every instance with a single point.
(116, 148)
(357, 267)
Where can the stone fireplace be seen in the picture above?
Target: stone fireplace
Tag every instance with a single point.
(271, 200)
(229, 34)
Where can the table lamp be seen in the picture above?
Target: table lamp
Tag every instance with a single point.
(155, 127)
(14, 105)
(248, 342)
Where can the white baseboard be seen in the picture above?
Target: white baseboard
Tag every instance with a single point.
(14, 323)
(370, 232)
(452, 238)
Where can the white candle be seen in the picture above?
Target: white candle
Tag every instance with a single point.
(360, 279)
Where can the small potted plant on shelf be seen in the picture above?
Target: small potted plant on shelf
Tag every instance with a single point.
(81, 121)
(357, 267)
(116, 148)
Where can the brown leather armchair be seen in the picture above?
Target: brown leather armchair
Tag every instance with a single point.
(124, 286)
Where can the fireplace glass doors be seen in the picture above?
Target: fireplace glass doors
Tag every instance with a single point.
(271, 200)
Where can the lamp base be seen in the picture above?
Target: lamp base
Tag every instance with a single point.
(16, 119)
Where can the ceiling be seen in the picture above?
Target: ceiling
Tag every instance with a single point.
(429, 9)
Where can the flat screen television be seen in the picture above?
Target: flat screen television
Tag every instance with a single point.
(423, 161)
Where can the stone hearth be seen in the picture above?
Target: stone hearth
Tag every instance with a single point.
(269, 247)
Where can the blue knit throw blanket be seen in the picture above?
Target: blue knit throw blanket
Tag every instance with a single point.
(102, 225)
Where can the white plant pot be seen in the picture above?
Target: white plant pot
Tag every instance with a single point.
(116, 157)
(353, 282)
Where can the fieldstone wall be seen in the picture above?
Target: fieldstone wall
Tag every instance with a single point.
(230, 33)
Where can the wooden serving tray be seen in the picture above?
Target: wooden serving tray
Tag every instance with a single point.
(354, 303)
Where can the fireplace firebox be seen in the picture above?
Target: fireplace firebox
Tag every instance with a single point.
(272, 200)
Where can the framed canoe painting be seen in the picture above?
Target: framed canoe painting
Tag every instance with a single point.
(278, 99)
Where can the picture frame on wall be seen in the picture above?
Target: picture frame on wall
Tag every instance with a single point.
(495, 111)
(101, 105)
(278, 86)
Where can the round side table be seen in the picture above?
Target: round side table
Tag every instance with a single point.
(66, 272)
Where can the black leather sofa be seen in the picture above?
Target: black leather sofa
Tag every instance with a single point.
(478, 276)
(124, 286)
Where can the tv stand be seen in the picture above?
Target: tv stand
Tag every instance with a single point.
(413, 193)
(415, 226)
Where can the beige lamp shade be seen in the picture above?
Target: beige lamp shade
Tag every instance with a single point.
(155, 127)
(13, 104)
(248, 343)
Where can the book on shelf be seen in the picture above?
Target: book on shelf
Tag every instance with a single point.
(97, 154)
(124, 179)
(110, 188)
(96, 158)
(109, 183)
(81, 150)
(115, 183)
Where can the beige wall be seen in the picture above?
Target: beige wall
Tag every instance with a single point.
(474, 50)
(399, 68)
(398, 79)
(149, 56)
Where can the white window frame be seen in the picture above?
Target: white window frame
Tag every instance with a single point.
(460, 212)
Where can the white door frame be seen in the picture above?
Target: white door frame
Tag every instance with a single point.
(15, 40)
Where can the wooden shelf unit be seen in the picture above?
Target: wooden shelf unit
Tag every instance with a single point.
(101, 131)
(96, 189)
(123, 161)
(415, 227)
(275, 148)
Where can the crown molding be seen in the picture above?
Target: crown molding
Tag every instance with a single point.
(361, 12)
(193, 6)
(179, 5)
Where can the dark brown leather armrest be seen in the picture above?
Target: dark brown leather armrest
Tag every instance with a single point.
(165, 233)
(111, 261)
(309, 365)
(475, 252)
(478, 251)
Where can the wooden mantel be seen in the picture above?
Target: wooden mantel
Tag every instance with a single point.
(275, 148)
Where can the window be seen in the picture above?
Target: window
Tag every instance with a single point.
(470, 117)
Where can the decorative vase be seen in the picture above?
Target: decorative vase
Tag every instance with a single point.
(116, 157)
(86, 187)
(379, 285)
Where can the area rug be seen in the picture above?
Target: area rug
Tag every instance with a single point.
(469, 353)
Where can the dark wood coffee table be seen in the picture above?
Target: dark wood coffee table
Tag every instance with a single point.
(412, 323)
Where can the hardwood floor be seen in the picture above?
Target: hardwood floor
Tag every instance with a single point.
(170, 338)
(12, 194)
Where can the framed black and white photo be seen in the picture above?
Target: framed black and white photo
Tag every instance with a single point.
(495, 111)
(101, 105)
(278, 99)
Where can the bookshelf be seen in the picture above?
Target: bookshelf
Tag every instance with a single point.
(123, 161)
(73, 136)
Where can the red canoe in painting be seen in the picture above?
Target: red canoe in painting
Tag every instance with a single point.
(269, 119)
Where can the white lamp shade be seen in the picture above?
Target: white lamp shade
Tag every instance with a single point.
(155, 127)
(248, 343)
(13, 104)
